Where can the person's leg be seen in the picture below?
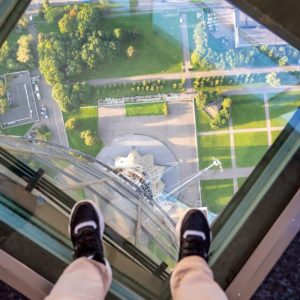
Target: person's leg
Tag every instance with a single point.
(89, 276)
(192, 277)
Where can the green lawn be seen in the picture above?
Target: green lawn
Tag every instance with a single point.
(250, 147)
(275, 134)
(146, 109)
(45, 27)
(240, 181)
(203, 120)
(17, 130)
(248, 111)
(282, 106)
(215, 194)
(87, 118)
(155, 51)
(210, 146)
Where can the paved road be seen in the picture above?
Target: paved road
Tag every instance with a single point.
(194, 74)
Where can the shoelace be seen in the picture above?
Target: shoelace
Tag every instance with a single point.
(86, 242)
(194, 245)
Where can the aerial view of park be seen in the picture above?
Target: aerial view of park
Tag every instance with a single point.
(179, 74)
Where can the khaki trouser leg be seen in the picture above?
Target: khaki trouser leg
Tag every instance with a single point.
(193, 279)
(82, 279)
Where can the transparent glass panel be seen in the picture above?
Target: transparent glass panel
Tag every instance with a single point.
(178, 100)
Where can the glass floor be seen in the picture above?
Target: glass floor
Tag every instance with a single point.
(145, 107)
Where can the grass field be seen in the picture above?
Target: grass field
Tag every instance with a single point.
(210, 146)
(146, 109)
(275, 134)
(248, 111)
(45, 27)
(17, 130)
(282, 106)
(250, 147)
(87, 118)
(216, 193)
(156, 52)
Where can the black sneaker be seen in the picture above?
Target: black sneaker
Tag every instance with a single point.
(86, 228)
(193, 234)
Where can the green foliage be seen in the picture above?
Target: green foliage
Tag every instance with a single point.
(87, 19)
(51, 57)
(24, 52)
(272, 79)
(201, 99)
(4, 52)
(118, 33)
(71, 123)
(201, 39)
(69, 96)
(3, 105)
(23, 22)
(43, 133)
(67, 24)
(226, 103)
(89, 138)
(3, 88)
(130, 51)
(52, 13)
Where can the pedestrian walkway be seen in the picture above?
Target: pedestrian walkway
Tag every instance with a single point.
(249, 130)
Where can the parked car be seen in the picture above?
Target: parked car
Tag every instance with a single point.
(44, 112)
(38, 95)
(36, 88)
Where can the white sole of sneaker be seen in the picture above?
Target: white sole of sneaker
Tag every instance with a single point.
(100, 216)
(179, 223)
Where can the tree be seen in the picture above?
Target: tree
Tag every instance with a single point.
(62, 94)
(24, 52)
(71, 123)
(89, 138)
(3, 105)
(130, 51)
(201, 99)
(200, 38)
(226, 104)
(4, 52)
(23, 22)
(43, 133)
(272, 79)
(86, 18)
(283, 61)
(118, 33)
(3, 88)
(67, 24)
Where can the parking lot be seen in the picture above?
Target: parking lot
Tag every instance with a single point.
(21, 100)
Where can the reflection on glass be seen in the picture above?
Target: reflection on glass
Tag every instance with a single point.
(154, 90)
